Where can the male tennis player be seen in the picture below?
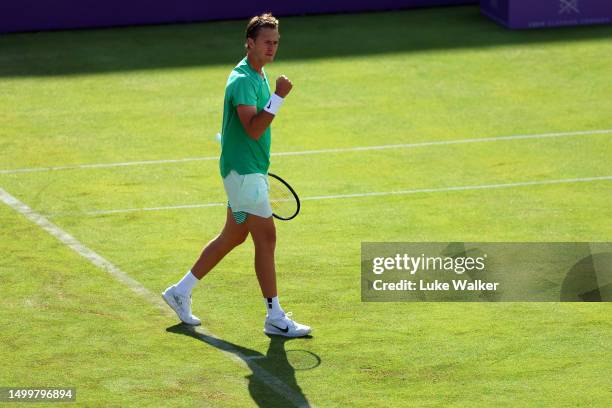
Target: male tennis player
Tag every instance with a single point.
(248, 110)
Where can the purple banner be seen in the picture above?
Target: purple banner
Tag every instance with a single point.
(547, 13)
(36, 15)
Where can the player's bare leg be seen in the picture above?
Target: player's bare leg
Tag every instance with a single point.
(263, 232)
(231, 236)
(178, 296)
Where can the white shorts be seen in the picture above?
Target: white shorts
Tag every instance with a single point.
(248, 193)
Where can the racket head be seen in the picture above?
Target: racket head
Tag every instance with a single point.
(284, 200)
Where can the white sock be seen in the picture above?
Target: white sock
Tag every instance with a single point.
(273, 308)
(187, 283)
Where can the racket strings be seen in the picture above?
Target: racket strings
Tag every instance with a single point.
(282, 200)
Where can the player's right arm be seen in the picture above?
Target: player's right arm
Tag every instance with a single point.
(255, 124)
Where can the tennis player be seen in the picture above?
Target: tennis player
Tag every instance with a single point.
(248, 111)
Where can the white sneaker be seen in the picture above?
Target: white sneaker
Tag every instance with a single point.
(181, 304)
(284, 326)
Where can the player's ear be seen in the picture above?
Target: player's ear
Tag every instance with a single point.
(250, 43)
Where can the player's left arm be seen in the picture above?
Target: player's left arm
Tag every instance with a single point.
(255, 124)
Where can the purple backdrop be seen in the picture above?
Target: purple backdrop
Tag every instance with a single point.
(547, 13)
(34, 15)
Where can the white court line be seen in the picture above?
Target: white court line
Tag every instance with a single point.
(321, 151)
(462, 188)
(268, 379)
(357, 195)
(173, 207)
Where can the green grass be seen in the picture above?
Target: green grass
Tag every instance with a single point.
(148, 93)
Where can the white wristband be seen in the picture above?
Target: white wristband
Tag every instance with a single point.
(274, 104)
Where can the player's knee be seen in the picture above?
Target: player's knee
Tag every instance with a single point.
(241, 238)
(266, 238)
(271, 237)
(233, 240)
(237, 239)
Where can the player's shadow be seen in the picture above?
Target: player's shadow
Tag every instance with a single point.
(220, 43)
(272, 381)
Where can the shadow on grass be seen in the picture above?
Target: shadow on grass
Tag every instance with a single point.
(303, 38)
(272, 382)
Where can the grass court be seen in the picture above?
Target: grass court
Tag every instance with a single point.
(109, 135)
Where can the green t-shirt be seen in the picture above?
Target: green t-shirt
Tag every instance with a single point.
(239, 151)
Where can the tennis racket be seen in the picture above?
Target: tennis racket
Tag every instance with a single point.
(284, 200)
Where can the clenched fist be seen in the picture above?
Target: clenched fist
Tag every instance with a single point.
(283, 86)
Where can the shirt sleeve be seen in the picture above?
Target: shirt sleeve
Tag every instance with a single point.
(244, 92)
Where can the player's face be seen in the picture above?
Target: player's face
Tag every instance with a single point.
(265, 45)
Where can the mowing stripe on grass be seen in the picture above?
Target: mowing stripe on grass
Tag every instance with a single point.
(356, 195)
(461, 188)
(321, 151)
(64, 237)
